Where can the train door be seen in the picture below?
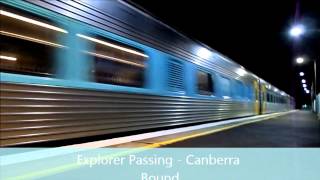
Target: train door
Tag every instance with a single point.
(256, 97)
(263, 99)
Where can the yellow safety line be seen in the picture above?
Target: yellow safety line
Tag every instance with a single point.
(66, 167)
(175, 140)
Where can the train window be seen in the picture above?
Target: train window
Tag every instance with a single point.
(114, 62)
(28, 43)
(272, 98)
(225, 87)
(269, 97)
(239, 90)
(246, 91)
(252, 92)
(205, 84)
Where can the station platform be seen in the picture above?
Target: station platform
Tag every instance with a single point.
(286, 129)
(296, 129)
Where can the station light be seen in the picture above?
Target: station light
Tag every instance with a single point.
(297, 30)
(299, 60)
(303, 81)
(301, 74)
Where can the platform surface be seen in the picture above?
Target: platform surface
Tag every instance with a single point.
(298, 129)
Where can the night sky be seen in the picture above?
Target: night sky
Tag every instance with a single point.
(252, 33)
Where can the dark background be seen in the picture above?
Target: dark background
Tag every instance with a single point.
(252, 33)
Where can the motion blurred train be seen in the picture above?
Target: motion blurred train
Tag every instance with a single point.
(75, 69)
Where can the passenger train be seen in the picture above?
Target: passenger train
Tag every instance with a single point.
(74, 69)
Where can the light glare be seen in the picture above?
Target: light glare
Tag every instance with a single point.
(111, 45)
(301, 74)
(297, 30)
(203, 53)
(30, 39)
(8, 58)
(114, 59)
(300, 60)
(241, 72)
(9, 14)
(304, 85)
(226, 97)
(303, 81)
